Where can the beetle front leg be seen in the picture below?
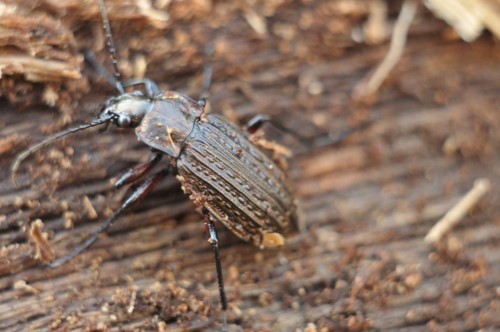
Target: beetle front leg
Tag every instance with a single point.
(151, 88)
(138, 171)
(98, 68)
(139, 193)
(214, 241)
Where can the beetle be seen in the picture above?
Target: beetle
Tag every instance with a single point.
(234, 179)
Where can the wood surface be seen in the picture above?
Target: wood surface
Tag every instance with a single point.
(360, 262)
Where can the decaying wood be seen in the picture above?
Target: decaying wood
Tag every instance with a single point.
(360, 262)
(469, 18)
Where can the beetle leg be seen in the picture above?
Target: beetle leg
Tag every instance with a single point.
(136, 172)
(256, 122)
(278, 152)
(207, 74)
(97, 66)
(141, 191)
(214, 241)
(152, 90)
(328, 139)
(259, 120)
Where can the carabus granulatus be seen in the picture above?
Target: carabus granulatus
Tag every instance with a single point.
(233, 180)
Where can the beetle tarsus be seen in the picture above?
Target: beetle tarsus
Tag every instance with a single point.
(224, 321)
(214, 241)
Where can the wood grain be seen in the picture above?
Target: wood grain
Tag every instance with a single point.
(360, 261)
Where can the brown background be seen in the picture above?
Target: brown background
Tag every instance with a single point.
(360, 262)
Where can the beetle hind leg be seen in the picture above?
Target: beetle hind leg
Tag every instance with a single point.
(141, 191)
(214, 241)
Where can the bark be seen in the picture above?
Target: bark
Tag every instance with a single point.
(360, 261)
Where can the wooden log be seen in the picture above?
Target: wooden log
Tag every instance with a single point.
(360, 261)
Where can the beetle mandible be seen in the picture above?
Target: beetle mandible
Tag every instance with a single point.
(235, 181)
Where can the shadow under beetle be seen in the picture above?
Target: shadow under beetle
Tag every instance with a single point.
(235, 181)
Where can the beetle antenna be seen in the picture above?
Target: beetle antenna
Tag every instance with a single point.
(28, 152)
(111, 46)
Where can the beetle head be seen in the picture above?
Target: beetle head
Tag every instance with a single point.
(126, 110)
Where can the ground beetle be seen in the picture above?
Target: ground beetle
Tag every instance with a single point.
(235, 181)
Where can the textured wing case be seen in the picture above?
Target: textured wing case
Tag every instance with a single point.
(236, 182)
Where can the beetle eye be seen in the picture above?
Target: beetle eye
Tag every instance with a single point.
(124, 121)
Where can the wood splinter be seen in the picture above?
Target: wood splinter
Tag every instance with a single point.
(457, 212)
(43, 249)
(366, 88)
